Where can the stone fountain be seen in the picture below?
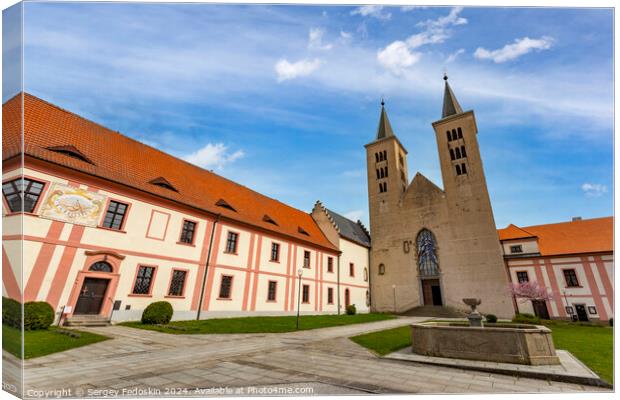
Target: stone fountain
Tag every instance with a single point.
(474, 317)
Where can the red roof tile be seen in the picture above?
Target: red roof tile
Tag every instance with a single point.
(121, 159)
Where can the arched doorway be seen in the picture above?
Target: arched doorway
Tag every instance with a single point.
(428, 268)
(347, 298)
(93, 291)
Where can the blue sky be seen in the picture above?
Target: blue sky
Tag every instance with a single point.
(283, 98)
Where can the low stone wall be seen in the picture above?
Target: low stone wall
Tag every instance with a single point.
(517, 344)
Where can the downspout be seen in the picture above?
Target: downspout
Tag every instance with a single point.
(204, 277)
(338, 281)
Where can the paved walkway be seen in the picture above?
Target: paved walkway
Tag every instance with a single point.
(152, 363)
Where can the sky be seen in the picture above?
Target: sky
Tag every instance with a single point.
(282, 99)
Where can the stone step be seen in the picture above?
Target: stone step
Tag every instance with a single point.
(87, 320)
(434, 311)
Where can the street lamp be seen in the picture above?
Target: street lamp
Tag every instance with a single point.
(299, 272)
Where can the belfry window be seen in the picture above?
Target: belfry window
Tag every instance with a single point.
(458, 169)
(381, 173)
(385, 154)
(460, 133)
(463, 169)
(458, 153)
(453, 134)
(452, 155)
(463, 154)
(449, 136)
(428, 264)
(378, 175)
(376, 157)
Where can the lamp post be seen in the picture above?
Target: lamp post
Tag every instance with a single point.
(299, 272)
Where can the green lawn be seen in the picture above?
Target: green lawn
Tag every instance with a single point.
(260, 324)
(46, 341)
(592, 344)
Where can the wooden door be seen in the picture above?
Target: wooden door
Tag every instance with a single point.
(540, 309)
(581, 312)
(431, 292)
(91, 296)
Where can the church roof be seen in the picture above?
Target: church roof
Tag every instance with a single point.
(354, 231)
(385, 128)
(451, 105)
(573, 237)
(120, 159)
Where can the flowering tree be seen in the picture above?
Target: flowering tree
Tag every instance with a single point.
(530, 291)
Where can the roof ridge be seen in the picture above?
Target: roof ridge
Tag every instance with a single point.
(567, 222)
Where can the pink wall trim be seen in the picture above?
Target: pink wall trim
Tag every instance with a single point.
(42, 261)
(246, 288)
(288, 277)
(211, 271)
(316, 279)
(148, 228)
(8, 278)
(602, 271)
(293, 277)
(201, 265)
(64, 266)
(602, 312)
(256, 272)
(554, 287)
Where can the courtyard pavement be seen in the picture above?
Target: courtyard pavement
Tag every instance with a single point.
(325, 361)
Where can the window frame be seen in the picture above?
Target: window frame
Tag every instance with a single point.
(330, 295)
(236, 242)
(568, 285)
(194, 232)
(230, 288)
(182, 295)
(277, 259)
(21, 194)
(151, 283)
(105, 214)
(330, 265)
(275, 291)
(305, 294)
(516, 248)
(352, 270)
(527, 276)
(307, 265)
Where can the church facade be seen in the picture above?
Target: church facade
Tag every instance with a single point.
(433, 246)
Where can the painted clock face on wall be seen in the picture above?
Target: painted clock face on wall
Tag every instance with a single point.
(73, 204)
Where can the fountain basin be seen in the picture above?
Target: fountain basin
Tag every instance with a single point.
(505, 343)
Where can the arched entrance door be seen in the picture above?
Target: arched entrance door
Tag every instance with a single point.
(93, 291)
(428, 268)
(347, 297)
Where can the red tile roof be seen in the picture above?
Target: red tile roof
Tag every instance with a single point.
(574, 237)
(120, 159)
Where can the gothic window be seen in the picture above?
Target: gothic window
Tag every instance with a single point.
(452, 154)
(376, 157)
(453, 134)
(458, 170)
(386, 171)
(427, 254)
(449, 136)
(378, 175)
(460, 133)
(463, 169)
(101, 266)
(382, 173)
(458, 153)
(463, 154)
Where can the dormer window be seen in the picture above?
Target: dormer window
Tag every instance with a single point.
(163, 182)
(516, 249)
(70, 151)
(270, 220)
(302, 231)
(222, 203)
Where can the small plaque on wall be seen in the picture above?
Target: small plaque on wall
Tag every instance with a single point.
(592, 310)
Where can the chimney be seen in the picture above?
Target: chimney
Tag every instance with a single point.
(576, 218)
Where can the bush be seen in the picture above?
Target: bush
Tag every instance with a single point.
(491, 318)
(38, 315)
(351, 310)
(158, 313)
(11, 312)
(526, 319)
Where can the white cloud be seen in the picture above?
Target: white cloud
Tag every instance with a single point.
(345, 37)
(213, 156)
(396, 57)
(354, 215)
(514, 50)
(411, 8)
(315, 39)
(372, 11)
(452, 57)
(287, 70)
(594, 189)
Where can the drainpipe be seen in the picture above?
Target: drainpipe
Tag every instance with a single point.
(204, 278)
(338, 282)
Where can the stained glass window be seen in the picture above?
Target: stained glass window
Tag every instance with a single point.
(101, 266)
(427, 254)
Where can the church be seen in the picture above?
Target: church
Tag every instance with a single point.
(434, 246)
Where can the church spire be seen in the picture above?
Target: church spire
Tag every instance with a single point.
(385, 129)
(451, 105)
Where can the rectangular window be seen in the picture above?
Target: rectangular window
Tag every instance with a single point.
(305, 294)
(571, 278)
(306, 259)
(271, 292)
(330, 295)
(15, 189)
(351, 269)
(516, 249)
(330, 264)
(231, 242)
(177, 283)
(275, 252)
(144, 280)
(115, 215)
(187, 233)
(522, 277)
(225, 287)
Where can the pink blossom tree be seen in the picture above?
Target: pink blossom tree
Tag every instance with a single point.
(527, 291)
